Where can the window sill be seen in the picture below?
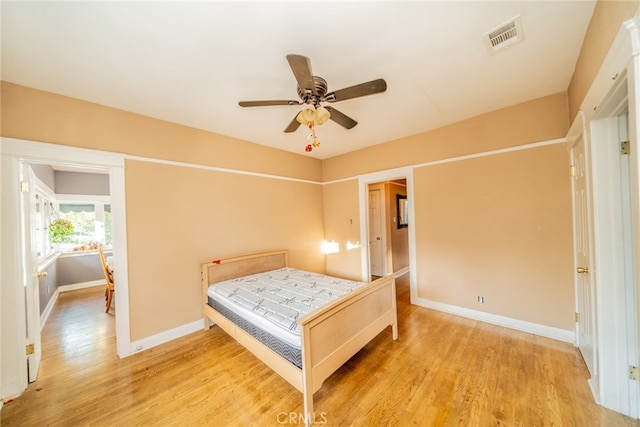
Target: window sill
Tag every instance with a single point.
(72, 254)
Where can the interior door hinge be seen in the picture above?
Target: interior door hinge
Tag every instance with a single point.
(634, 373)
(577, 316)
(24, 187)
(573, 170)
(624, 148)
(30, 349)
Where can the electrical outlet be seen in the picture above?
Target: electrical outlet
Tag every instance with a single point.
(480, 300)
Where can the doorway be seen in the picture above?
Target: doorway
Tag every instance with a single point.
(388, 228)
(65, 259)
(385, 181)
(17, 265)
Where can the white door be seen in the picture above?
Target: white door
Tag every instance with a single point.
(585, 297)
(376, 227)
(31, 276)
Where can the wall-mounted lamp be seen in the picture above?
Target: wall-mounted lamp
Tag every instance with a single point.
(350, 245)
(331, 247)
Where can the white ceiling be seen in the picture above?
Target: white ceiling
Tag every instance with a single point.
(191, 62)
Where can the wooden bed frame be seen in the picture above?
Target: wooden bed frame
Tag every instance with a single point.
(330, 335)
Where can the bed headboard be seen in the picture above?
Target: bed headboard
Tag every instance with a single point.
(230, 268)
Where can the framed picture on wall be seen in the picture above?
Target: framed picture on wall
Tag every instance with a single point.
(403, 210)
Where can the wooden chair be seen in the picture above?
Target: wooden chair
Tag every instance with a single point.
(108, 275)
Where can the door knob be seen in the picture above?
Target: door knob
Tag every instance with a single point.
(378, 238)
(41, 274)
(581, 270)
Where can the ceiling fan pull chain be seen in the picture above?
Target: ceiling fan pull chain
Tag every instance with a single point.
(315, 142)
(313, 138)
(308, 148)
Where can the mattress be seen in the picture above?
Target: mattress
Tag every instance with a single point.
(268, 305)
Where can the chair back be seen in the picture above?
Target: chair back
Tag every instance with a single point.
(108, 275)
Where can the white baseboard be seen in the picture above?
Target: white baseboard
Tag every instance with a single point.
(166, 336)
(401, 272)
(47, 310)
(76, 286)
(507, 322)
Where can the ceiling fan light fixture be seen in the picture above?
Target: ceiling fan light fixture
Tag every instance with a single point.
(301, 119)
(322, 115)
(308, 114)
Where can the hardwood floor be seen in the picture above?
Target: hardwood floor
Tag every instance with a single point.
(443, 370)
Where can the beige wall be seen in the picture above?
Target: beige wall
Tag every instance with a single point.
(342, 225)
(179, 216)
(497, 226)
(605, 24)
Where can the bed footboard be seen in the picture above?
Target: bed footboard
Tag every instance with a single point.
(333, 335)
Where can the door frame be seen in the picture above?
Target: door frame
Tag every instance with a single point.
(363, 199)
(618, 342)
(13, 153)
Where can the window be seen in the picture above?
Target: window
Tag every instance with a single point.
(92, 224)
(42, 219)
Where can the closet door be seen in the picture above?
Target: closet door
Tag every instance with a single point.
(585, 289)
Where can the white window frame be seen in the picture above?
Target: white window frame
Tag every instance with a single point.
(49, 197)
(98, 201)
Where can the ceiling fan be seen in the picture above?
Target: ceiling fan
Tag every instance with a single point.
(312, 91)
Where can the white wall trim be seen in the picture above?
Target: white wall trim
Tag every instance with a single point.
(166, 336)
(83, 285)
(459, 158)
(47, 310)
(45, 153)
(401, 272)
(493, 152)
(285, 178)
(507, 322)
(218, 169)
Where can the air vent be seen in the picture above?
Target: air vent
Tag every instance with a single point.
(504, 35)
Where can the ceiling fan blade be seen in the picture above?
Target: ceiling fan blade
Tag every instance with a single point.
(341, 119)
(363, 89)
(293, 126)
(266, 103)
(301, 67)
